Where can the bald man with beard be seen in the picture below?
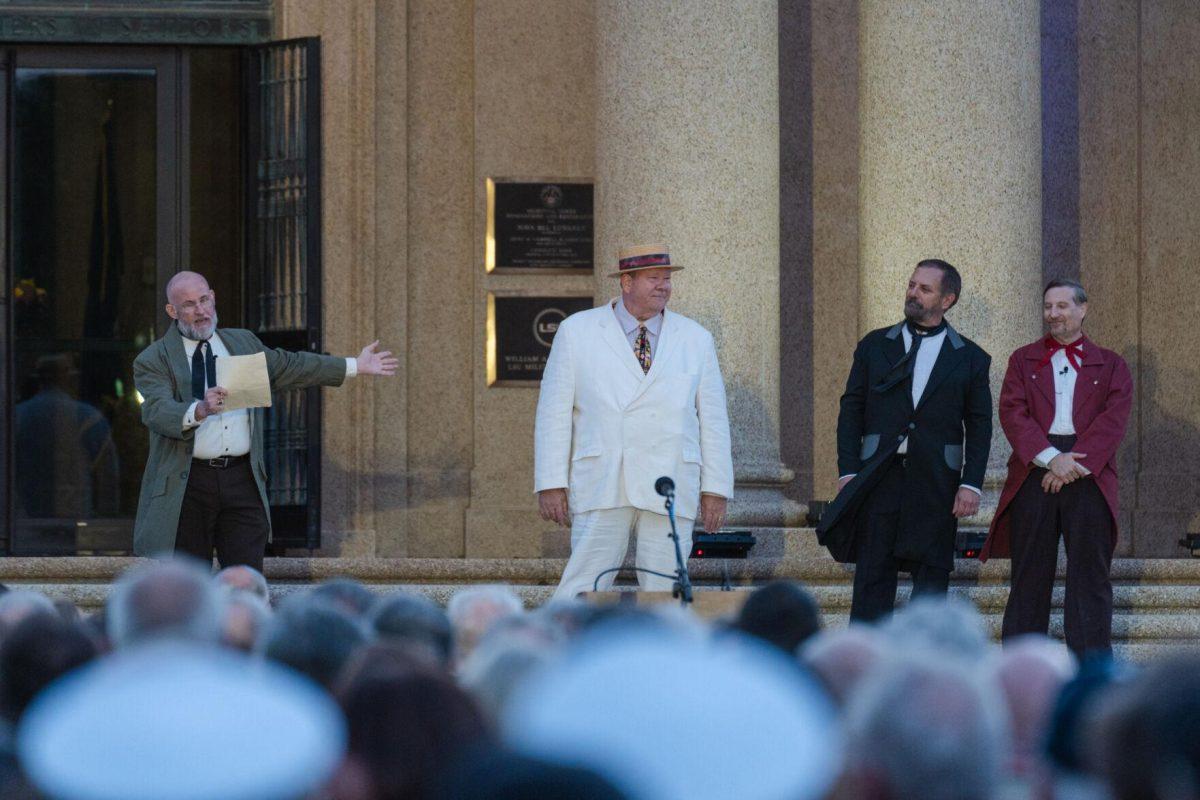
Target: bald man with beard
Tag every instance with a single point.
(205, 484)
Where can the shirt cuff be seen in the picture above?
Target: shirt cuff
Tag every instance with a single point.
(1044, 458)
(189, 419)
(972, 488)
(843, 477)
(351, 367)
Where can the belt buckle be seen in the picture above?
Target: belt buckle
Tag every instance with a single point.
(220, 462)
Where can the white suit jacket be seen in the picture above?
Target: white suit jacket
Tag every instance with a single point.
(606, 432)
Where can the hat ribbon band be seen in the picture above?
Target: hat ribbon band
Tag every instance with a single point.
(653, 260)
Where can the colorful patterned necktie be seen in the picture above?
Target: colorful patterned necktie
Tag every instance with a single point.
(641, 349)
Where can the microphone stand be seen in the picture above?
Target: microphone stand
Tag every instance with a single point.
(683, 583)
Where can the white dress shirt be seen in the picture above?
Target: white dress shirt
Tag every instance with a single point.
(630, 324)
(1064, 405)
(227, 433)
(926, 358)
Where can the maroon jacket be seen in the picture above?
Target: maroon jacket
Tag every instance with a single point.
(1103, 395)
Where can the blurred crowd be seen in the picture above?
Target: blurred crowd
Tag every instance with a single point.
(193, 685)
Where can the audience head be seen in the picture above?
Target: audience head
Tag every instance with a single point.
(244, 578)
(474, 610)
(496, 774)
(1030, 671)
(416, 621)
(36, 652)
(244, 619)
(407, 727)
(925, 726)
(840, 658)
(314, 637)
(781, 613)
(661, 713)
(513, 649)
(172, 599)
(347, 594)
(18, 604)
(1147, 744)
(949, 627)
(173, 720)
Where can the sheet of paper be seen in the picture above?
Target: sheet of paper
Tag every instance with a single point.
(247, 380)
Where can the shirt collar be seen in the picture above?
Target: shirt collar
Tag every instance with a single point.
(190, 345)
(629, 323)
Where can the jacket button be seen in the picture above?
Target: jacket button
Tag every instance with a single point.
(912, 426)
(183, 475)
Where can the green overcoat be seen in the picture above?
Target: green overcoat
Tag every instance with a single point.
(163, 377)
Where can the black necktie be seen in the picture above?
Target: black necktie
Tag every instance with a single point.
(902, 370)
(204, 366)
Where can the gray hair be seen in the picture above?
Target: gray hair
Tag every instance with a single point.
(1079, 293)
(474, 610)
(842, 657)
(244, 578)
(244, 619)
(929, 727)
(164, 600)
(947, 626)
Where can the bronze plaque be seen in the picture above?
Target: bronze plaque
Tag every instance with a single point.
(520, 331)
(540, 225)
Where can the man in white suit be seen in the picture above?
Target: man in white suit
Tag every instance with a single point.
(631, 392)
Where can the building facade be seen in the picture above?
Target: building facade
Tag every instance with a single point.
(798, 157)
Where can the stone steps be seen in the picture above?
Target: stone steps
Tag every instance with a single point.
(1156, 601)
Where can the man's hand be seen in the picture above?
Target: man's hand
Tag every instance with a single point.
(552, 505)
(843, 481)
(372, 363)
(1065, 467)
(213, 402)
(966, 503)
(1052, 484)
(712, 511)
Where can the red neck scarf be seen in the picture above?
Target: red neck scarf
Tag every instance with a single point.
(1074, 351)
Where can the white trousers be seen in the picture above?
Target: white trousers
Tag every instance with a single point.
(600, 538)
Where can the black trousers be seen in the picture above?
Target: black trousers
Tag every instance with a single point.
(876, 568)
(223, 510)
(1080, 513)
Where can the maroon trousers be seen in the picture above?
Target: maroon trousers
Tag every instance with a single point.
(1080, 514)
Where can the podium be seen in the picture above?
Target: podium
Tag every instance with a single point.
(706, 604)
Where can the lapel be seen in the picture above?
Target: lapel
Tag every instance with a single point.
(614, 337)
(177, 359)
(668, 339)
(893, 345)
(953, 351)
(1086, 379)
(1042, 377)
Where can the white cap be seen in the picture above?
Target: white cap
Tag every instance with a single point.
(178, 721)
(665, 716)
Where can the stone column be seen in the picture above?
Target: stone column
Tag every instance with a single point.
(950, 156)
(687, 153)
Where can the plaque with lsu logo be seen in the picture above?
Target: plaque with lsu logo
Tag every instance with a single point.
(520, 331)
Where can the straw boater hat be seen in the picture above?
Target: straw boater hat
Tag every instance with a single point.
(649, 256)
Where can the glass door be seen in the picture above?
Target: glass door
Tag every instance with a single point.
(94, 233)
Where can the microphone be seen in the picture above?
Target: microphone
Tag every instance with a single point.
(665, 486)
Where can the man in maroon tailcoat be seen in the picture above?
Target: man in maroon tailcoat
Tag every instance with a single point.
(1063, 406)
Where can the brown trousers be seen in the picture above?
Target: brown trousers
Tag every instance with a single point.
(223, 510)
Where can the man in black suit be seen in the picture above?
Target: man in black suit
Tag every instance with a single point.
(913, 437)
